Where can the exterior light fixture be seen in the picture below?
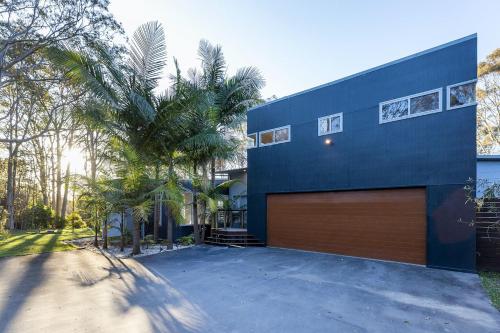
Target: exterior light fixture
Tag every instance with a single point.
(328, 141)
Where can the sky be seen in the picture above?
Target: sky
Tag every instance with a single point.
(301, 44)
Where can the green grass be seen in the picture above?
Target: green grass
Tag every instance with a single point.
(491, 283)
(29, 242)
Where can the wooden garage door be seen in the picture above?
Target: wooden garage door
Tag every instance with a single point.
(381, 224)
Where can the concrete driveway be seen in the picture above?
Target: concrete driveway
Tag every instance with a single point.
(211, 289)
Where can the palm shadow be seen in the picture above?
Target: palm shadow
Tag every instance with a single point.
(20, 292)
(168, 309)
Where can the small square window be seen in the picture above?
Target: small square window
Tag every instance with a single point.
(266, 137)
(330, 124)
(461, 94)
(281, 135)
(252, 140)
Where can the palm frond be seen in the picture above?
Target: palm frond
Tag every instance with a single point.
(82, 69)
(148, 53)
(212, 63)
(146, 111)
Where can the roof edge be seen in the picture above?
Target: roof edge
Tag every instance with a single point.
(491, 158)
(433, 49)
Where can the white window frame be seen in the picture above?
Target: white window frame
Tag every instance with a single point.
(340, 115)
(408, 98)
(256, 140)
(274, 130)
(448, 99)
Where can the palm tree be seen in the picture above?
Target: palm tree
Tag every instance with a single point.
(128, 91)
(217, 107)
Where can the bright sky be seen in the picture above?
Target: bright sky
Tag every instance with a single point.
(301, 44)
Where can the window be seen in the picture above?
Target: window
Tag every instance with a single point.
(461, 94)
(252, 140)
(330, 124)
(274, 136)
(410, 106)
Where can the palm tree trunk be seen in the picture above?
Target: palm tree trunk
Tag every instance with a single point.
(170, 218)
(105, 234)
(156, 216)
(96, 229)
(136, 238)
(212, 171)
(156, 225)
(122, 236)
(196, 229)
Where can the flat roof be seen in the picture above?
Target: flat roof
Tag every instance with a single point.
(490, 158)
(231, 171)
(436, 48)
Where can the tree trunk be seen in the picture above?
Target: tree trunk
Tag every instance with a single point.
(53, 175)
(59, 176)
(96, 242)
(10, 188)
(105, 234)
(196, 229)
(170, 218)
(122, 236)
(170, 230)
(136, 238)
(67, 177)
(212, 171)
(41, 159)
(156, 222)
(96, 229)
(66, 190)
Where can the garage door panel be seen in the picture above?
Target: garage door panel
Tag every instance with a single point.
(382, 224)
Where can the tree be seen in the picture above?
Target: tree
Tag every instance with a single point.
(29, 26)
(30, 87)
(217, 108)
(488, 96)
(127, 90)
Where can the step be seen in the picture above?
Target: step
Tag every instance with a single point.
(234, 243)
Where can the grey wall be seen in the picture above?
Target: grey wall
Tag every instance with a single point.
(435, 151)
(489, 171)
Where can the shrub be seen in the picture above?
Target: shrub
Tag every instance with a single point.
(186, 240)
(38, 216)
(59, 222)
(75, 220)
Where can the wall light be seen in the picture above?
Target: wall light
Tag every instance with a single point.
(328, 141)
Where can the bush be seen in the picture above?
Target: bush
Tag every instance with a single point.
(38, 216)
(75, 221)
(59, 222)
(186, 240)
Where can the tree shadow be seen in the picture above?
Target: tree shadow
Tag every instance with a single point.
(19, 293)
(168, 309)
(28, 241)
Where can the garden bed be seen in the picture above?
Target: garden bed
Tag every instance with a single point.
(114, 249)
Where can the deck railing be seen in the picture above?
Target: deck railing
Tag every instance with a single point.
(231, 218)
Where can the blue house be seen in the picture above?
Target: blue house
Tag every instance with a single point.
(372, 165)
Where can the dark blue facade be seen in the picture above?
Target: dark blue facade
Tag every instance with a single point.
(436, 151)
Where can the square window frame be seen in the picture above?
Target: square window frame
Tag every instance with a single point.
(340, 115)
(408, 98)
(256, 140)
(448, 99)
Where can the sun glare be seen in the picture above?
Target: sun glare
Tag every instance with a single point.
(77, 159)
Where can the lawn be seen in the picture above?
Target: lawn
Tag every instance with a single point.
(491, 283)
(30, 242)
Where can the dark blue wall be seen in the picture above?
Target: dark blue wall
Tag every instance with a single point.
(436, 151)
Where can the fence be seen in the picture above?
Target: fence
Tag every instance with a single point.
(488, 236)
